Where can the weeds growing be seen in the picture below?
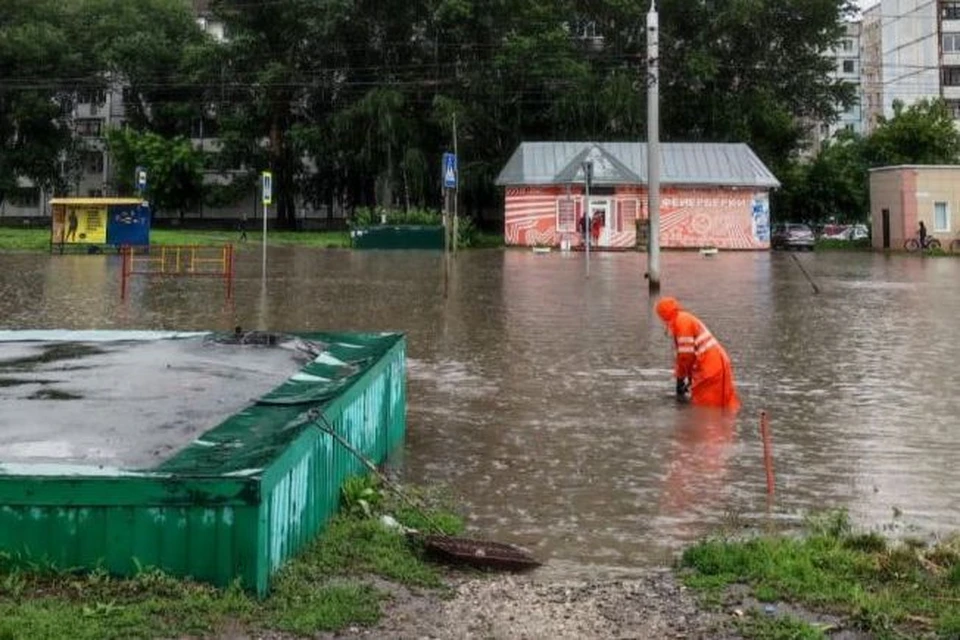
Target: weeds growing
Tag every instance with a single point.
(884, 588)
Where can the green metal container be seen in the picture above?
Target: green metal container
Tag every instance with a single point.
(399, 237)
(238, 501)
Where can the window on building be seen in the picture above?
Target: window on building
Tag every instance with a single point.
(847, 45)
(950, 10)
(954, 107)
(94, 162)
(566, 215)
(626, 214)
(94, 193)
(130, 96)
(88, 127)
(92, 97)
(951, 43)
(24, 196)
(848, 66)
(941, 217)
(951, 76)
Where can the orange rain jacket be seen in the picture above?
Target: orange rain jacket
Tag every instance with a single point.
(700, 357)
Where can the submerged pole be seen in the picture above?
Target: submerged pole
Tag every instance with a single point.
(653, 146)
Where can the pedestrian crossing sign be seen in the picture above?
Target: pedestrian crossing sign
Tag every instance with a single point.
(449, 171)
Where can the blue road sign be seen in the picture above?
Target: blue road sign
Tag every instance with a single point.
(449, 171)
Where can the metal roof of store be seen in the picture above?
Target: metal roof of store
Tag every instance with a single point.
(694, 163)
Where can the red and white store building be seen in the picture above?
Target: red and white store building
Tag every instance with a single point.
(712, 195)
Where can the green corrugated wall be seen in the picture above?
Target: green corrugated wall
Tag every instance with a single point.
(236, 505)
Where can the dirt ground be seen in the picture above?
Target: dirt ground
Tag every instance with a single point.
(521, 607)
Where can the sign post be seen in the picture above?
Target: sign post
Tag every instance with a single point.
(449, 181)
(266, 184)
(450, 186)
(140, 178)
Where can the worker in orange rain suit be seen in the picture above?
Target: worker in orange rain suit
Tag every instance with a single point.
(700, 359)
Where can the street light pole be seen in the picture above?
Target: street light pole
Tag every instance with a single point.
(587, 178)
(653, 146)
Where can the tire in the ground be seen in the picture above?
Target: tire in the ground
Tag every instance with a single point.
(933, 244)
(911, 244)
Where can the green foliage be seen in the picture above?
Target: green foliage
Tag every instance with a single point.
(37, 47)
(361, 495)
(174, 167)
(355, 102)
(39, 239)
(923, 133)
(368, 217)
(880, 586)
(24, 239)
(835, 184)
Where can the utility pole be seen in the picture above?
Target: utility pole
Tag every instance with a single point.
(653, 146)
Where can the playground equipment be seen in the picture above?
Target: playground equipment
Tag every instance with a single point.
(178, 261)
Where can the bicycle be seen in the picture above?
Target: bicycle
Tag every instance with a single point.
(955, 245)
(913, 244)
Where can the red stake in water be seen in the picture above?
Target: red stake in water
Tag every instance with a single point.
(767, 450)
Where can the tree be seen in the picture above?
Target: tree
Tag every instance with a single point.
(835, 184)
(174, 167)
(41, 70)
(923, 133)
(151, 48)
(751, 71)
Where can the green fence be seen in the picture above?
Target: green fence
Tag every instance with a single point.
(398, 237)
(240, 499)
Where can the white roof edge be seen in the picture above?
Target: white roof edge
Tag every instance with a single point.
(895, 167)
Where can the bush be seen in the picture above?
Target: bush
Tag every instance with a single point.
(367, 217)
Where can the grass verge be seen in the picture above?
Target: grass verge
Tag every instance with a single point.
(887, 589)
(37, 240)
(325, 588)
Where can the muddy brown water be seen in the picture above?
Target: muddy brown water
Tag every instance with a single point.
(543, 398)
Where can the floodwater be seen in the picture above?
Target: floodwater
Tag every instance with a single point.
(543, 398)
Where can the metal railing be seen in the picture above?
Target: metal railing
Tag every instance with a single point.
(178, 261)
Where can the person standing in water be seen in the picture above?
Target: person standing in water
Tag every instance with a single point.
(702, 365)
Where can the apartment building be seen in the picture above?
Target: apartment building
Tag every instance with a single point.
(919, 46)
(847, 58)
(871, 69)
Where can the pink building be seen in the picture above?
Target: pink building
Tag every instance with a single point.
(714, 195)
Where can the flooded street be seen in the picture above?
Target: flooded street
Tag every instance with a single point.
(545, 398)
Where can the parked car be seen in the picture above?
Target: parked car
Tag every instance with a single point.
(791, 235)
(845, 232)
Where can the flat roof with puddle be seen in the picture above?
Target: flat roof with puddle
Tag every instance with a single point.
(129, 404)
(187, 440)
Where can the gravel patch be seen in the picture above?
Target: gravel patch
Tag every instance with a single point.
(516, 606)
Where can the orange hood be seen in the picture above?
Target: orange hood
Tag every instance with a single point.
(667, 309)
